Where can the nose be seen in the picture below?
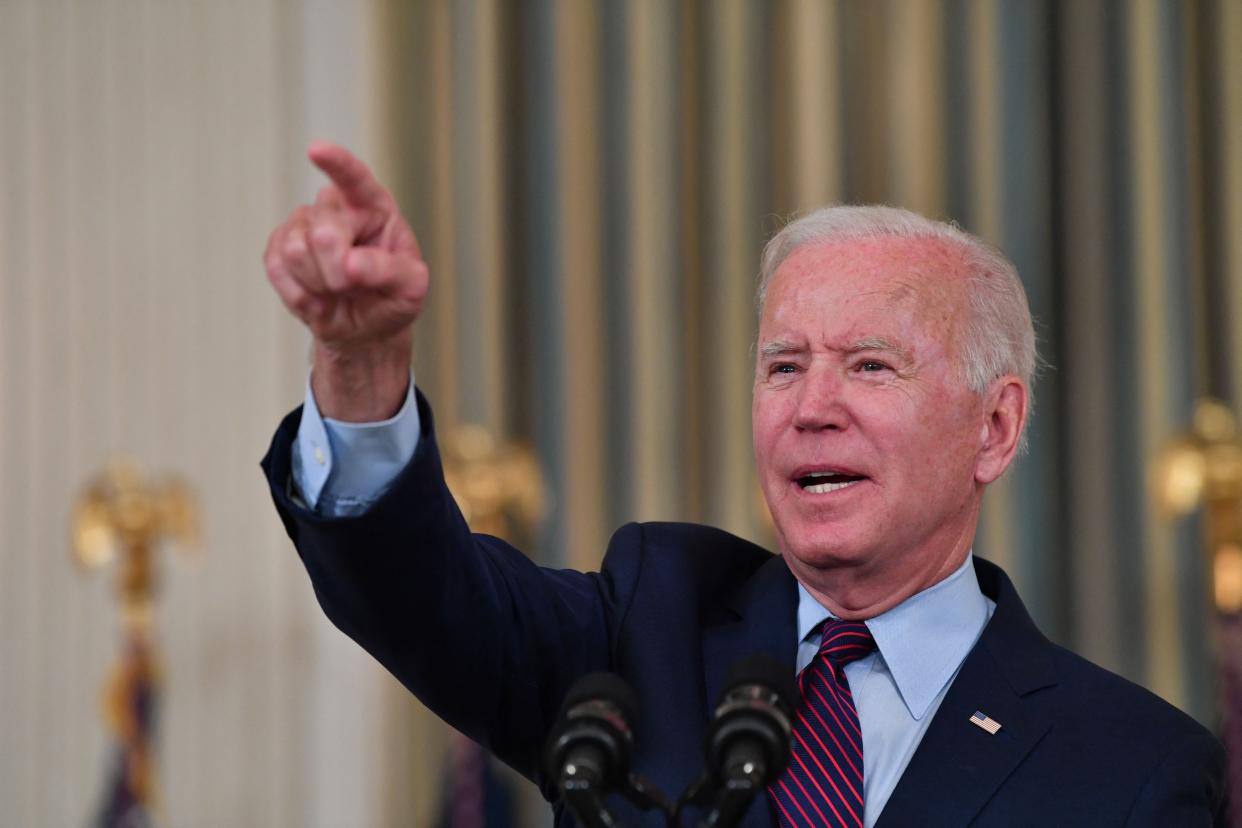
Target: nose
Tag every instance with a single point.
(821, 404)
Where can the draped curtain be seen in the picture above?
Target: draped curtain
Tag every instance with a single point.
(593, 180)
(146, 149)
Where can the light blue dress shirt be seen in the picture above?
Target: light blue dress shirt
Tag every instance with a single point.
(920, 645)
(342, 468)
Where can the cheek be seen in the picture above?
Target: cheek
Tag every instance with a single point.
(763, 447)
(767, 423)
(942, 444)
(763, 411)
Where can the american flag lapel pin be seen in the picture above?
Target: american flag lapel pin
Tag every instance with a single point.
(986, 722)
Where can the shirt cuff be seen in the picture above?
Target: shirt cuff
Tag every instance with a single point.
(342, 468)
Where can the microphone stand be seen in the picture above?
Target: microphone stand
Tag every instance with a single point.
(587, 805)
(582, 796)
(733, 800)
(727, 803)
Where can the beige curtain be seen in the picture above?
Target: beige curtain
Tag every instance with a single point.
(147, 147)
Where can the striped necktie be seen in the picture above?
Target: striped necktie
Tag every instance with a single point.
(823, 783)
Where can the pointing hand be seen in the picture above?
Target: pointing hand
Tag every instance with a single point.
(350, 268)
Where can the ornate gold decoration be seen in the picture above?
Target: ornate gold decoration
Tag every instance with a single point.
(497, 486)
(121, 515)
(1204, 467)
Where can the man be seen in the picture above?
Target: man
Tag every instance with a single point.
(891, 387)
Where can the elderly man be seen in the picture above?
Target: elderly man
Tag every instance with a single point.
(891, 387)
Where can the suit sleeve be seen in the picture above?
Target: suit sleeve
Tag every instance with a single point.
(1187, 788)
(486, 639)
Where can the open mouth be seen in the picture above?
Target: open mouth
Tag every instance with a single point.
(824, 482)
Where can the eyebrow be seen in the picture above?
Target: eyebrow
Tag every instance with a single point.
(871, 343)
(876, 343)
(779, 348)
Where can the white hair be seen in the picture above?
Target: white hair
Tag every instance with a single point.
(998, 337)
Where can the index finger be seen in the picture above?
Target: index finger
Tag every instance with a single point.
(353, 178)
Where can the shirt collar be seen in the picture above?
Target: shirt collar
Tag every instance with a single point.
(925, 638)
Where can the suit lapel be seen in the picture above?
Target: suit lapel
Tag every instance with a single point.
(958, 766)
(761, 619)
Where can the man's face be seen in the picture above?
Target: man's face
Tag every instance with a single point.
(866, 435)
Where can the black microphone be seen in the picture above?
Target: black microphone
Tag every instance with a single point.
(747, 742)
(588, 750)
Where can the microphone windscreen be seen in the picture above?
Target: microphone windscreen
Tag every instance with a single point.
(765, 671)
(607, 687)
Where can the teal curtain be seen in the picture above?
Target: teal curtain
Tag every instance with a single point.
(593, 180)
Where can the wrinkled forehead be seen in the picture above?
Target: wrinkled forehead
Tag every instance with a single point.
(927, 274)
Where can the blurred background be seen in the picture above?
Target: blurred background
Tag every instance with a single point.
(592, 181)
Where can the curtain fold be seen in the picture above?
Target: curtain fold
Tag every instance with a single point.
(594, 181)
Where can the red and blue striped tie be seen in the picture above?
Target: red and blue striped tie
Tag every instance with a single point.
(823, 784)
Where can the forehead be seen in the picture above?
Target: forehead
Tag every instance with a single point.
(917, 278)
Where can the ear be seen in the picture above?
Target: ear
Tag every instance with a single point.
(1005, 410)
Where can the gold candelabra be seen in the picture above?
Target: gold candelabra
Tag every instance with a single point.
(497, 486)
(1204, 468)
(121, 516)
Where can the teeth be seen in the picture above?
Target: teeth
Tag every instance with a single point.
(824, 488)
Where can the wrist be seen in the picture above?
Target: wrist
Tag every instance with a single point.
(362, 383)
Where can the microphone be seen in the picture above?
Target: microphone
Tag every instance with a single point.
(588, 749)
(747, 743)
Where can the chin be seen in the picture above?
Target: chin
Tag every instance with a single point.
(825, 548)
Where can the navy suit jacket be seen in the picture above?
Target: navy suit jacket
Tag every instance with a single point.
(491, 642)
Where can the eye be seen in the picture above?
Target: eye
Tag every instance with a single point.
(787, 368)
(871, 366)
